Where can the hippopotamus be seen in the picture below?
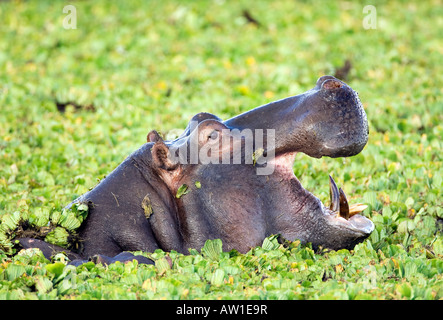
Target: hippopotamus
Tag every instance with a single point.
(230, 180)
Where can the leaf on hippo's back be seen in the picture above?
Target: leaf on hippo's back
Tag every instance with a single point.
(212, 249)
(147, 207)
(55, 217)
(81, 210)
(182, 190)
(198, 184)
(256, 155)
(58, 236)
(41, 217)
(82, 206)
(30, 254)
(69, 220)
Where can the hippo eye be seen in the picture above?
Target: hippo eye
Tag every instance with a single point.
(213, 135)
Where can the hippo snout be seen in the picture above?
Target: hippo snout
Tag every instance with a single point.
(337, 122)
(328, 120)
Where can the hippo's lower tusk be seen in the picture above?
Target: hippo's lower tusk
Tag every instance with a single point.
(339, 202)
(334, 196)
(344, 206)
(356, 208)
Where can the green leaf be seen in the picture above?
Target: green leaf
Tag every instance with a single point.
(55, 268)
(271, 242)
(409, 202)
(45, 178)
(162, 265)
(147, 206)
(182, 190)
(212, 249)
(43, 284)
(81, 210)
(69, 220)
(405, 290)
(59, 236)
(256, 155)
(14, 271)
(42, 217)
(82, 207)
(218, 277)
(55, 217)
(10, 221)
(370, 197)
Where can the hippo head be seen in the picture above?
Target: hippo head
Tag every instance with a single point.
(234, 180)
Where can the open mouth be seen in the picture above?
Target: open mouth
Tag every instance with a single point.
(339, 213)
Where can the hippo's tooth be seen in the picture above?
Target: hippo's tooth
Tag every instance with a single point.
(334, 196)
(356, 208)
(339, 202)
(344, 206)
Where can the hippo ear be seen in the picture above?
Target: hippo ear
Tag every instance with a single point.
(160, 157)
(159, 151)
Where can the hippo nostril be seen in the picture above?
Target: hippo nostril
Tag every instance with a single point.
(323, 79)
(332, 84)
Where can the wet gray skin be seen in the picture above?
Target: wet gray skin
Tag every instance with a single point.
(136, 207)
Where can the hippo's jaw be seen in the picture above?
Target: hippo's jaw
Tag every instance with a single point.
(306, 218)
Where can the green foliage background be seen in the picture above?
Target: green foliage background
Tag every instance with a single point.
(133, 66)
